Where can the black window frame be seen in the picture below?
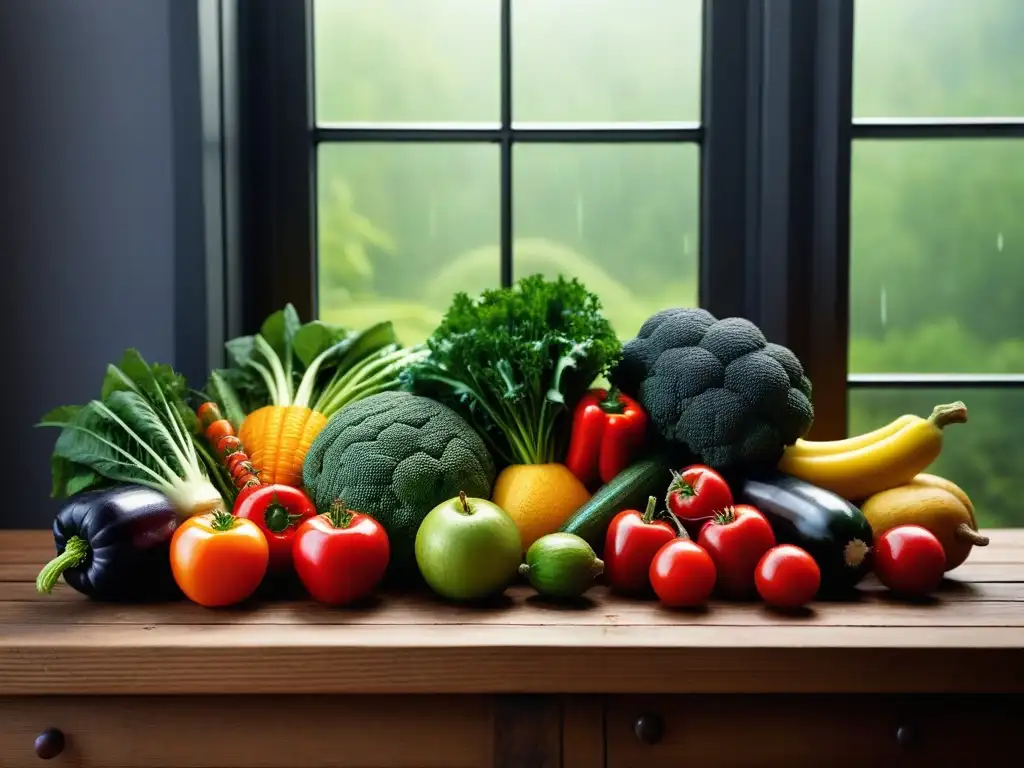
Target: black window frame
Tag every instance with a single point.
(776, 136)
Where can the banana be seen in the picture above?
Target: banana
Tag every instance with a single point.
(893, 460)
(831, 447)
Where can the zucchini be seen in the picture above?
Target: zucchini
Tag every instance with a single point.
(832, 530)
(629, 489)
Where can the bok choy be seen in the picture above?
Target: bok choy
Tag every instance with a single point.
(139, 431)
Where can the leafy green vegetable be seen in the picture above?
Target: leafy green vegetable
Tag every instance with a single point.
(515, 360)
(317, 365)
(141, 430)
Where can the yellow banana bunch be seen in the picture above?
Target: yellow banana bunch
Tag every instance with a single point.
(861, 466)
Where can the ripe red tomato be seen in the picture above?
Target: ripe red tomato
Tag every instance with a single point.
(737, 538)
(278, 510)
(682, 574)
(630, 544)
(909, 559)
(787, 577)
(340, 556)
(695, 495)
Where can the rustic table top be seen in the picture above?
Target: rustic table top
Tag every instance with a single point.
(969, 638)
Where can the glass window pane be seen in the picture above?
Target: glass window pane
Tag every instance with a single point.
(406, 60)
(982, 456)
(393, 219)
(915, 58)
(937, 256)
(606, 60)
(621, 218)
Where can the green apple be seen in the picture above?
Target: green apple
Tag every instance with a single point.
(468, 549)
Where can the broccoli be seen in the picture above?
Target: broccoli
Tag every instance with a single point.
(717, 386)
(395, 456)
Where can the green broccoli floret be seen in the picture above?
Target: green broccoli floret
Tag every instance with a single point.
(395, 456)
(717, 386)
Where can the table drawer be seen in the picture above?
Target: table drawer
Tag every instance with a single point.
(837, 731)
(251, 732)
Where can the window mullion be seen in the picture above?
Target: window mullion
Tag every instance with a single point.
(278, 156)
(800, 285)
(730, 102)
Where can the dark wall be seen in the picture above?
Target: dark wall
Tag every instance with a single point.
(100, 211)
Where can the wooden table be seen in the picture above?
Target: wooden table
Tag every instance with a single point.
(409, 681)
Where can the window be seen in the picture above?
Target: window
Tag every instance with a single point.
(438, 170)
(937, 240)
(840, 172)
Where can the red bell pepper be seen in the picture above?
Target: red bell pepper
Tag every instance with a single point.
(279, 511)
(608, 430)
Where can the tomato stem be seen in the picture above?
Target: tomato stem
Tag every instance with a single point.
(681, 531)
(338, 516)
(222, 521)
(725, 516)
(680, 487)
(648, 515)
(277, 517)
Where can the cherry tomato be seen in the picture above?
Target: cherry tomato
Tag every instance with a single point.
(228, 445)
(246, 482)
(340, 556)
(242, 469)
(909, 559)
(217, 430)
(208, 413)
(695, 495)
(737, 538)
(218, 559)
(233, 460)
(278, 510)
(682, 574)
(787, 577)
(630, 544)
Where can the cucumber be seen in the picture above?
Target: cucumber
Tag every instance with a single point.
(629, 489)
(832, 530)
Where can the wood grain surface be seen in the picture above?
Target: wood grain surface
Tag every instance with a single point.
(412, 643)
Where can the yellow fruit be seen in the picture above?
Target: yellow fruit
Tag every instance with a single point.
(828, 447)
(888, 463)
(538, 497)
(931, 507)
(934, 481)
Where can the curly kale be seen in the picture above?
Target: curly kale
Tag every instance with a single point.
(515, 360)
(717, 386)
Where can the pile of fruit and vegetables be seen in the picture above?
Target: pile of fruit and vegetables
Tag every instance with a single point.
(523, 442)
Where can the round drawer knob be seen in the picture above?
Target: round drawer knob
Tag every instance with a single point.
(49, 743)
(906, 736)
(649, 728)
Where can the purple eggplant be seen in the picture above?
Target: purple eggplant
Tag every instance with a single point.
(114, 545)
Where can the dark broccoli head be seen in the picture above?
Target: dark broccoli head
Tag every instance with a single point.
(717, 386)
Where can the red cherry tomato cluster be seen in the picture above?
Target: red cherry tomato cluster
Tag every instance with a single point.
(705, 544)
